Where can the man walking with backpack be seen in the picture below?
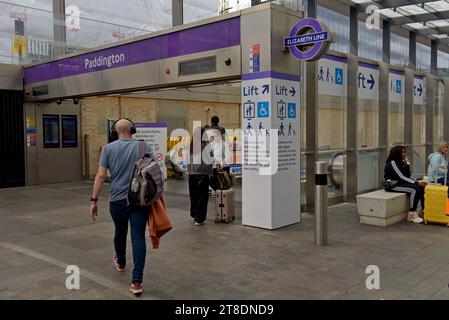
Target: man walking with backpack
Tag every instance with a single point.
(120, 157)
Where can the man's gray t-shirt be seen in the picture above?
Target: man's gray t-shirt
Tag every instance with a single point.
(119, 157)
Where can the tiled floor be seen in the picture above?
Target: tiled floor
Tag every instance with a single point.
(43, 229)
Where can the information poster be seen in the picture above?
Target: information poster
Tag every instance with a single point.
(31, 131)
(155, 134)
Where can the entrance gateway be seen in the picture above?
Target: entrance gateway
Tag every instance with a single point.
(240, 45)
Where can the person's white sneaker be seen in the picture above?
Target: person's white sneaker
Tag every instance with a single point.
(413, 217)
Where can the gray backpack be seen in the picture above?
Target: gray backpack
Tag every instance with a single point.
(147, 182)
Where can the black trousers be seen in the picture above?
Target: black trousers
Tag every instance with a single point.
(416, 194)
(199, 196)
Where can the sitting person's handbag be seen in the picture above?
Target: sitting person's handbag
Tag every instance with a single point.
(220, 181)
(389, 184)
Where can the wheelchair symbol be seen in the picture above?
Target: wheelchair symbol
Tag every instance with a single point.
(338, 76)
(263, 110)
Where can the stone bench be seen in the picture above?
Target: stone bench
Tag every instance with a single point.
(382, 208)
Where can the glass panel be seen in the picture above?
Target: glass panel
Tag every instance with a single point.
(438, 135)
(399, 50)
(69, 131)
(367, 171)
(368, 123)
(95, 23)
(195, 10)
(422, 57)
(337, 171)
(419, 124)
(370, 42)
(418, 166)
(396, 123)
(27, 32)
(51, 131)
(339, 25)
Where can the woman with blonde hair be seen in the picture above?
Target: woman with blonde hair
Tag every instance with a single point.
(437, 169)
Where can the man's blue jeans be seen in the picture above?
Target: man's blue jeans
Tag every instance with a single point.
(138, 218)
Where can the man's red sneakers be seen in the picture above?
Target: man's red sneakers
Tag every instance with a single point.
(117, 266)
(136, 288)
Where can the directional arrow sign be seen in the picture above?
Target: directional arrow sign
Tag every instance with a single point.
(293, 91)
(266, 88)
(420, 89)
(371, 81)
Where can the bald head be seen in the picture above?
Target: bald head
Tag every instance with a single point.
(123, 127)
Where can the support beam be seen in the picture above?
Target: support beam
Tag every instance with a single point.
(433, 57)
(412, 50)
(312, 9)
(384, 107)
(353, 31)
(351, 135)
(408, 110)
(59, 34)
(386, 41)
(311, 120)
(177, 12)
(446, 111)
(431, 91)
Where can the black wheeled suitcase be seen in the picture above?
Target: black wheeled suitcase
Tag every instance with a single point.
(224, 205)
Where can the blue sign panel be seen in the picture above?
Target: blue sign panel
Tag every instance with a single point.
(292, 110)
(339, 76)
(263, 109)
(398, 86)
(235, 169)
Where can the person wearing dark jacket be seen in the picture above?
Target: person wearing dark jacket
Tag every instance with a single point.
(199, 172)
(397, 168)
(220, 155)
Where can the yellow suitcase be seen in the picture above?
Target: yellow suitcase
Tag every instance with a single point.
(435, 198)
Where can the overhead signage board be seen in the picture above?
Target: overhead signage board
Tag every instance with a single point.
(368, 81)
(331, 76)
(309, 40)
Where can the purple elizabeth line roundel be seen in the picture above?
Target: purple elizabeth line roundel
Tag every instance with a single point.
(318, 48)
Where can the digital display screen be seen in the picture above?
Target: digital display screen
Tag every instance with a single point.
(40, 91)
(51, 131)
(198, 66)
(69, 132)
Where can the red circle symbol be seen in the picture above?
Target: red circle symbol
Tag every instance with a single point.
(159, 156)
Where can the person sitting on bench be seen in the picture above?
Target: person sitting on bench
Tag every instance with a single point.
(397, 168)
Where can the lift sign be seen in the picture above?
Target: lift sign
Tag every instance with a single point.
(307, 46)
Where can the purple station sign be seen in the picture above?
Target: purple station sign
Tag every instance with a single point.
(309, 40)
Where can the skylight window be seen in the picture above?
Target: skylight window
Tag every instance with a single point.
(389, 13)
(412, 10)
(437, 6)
